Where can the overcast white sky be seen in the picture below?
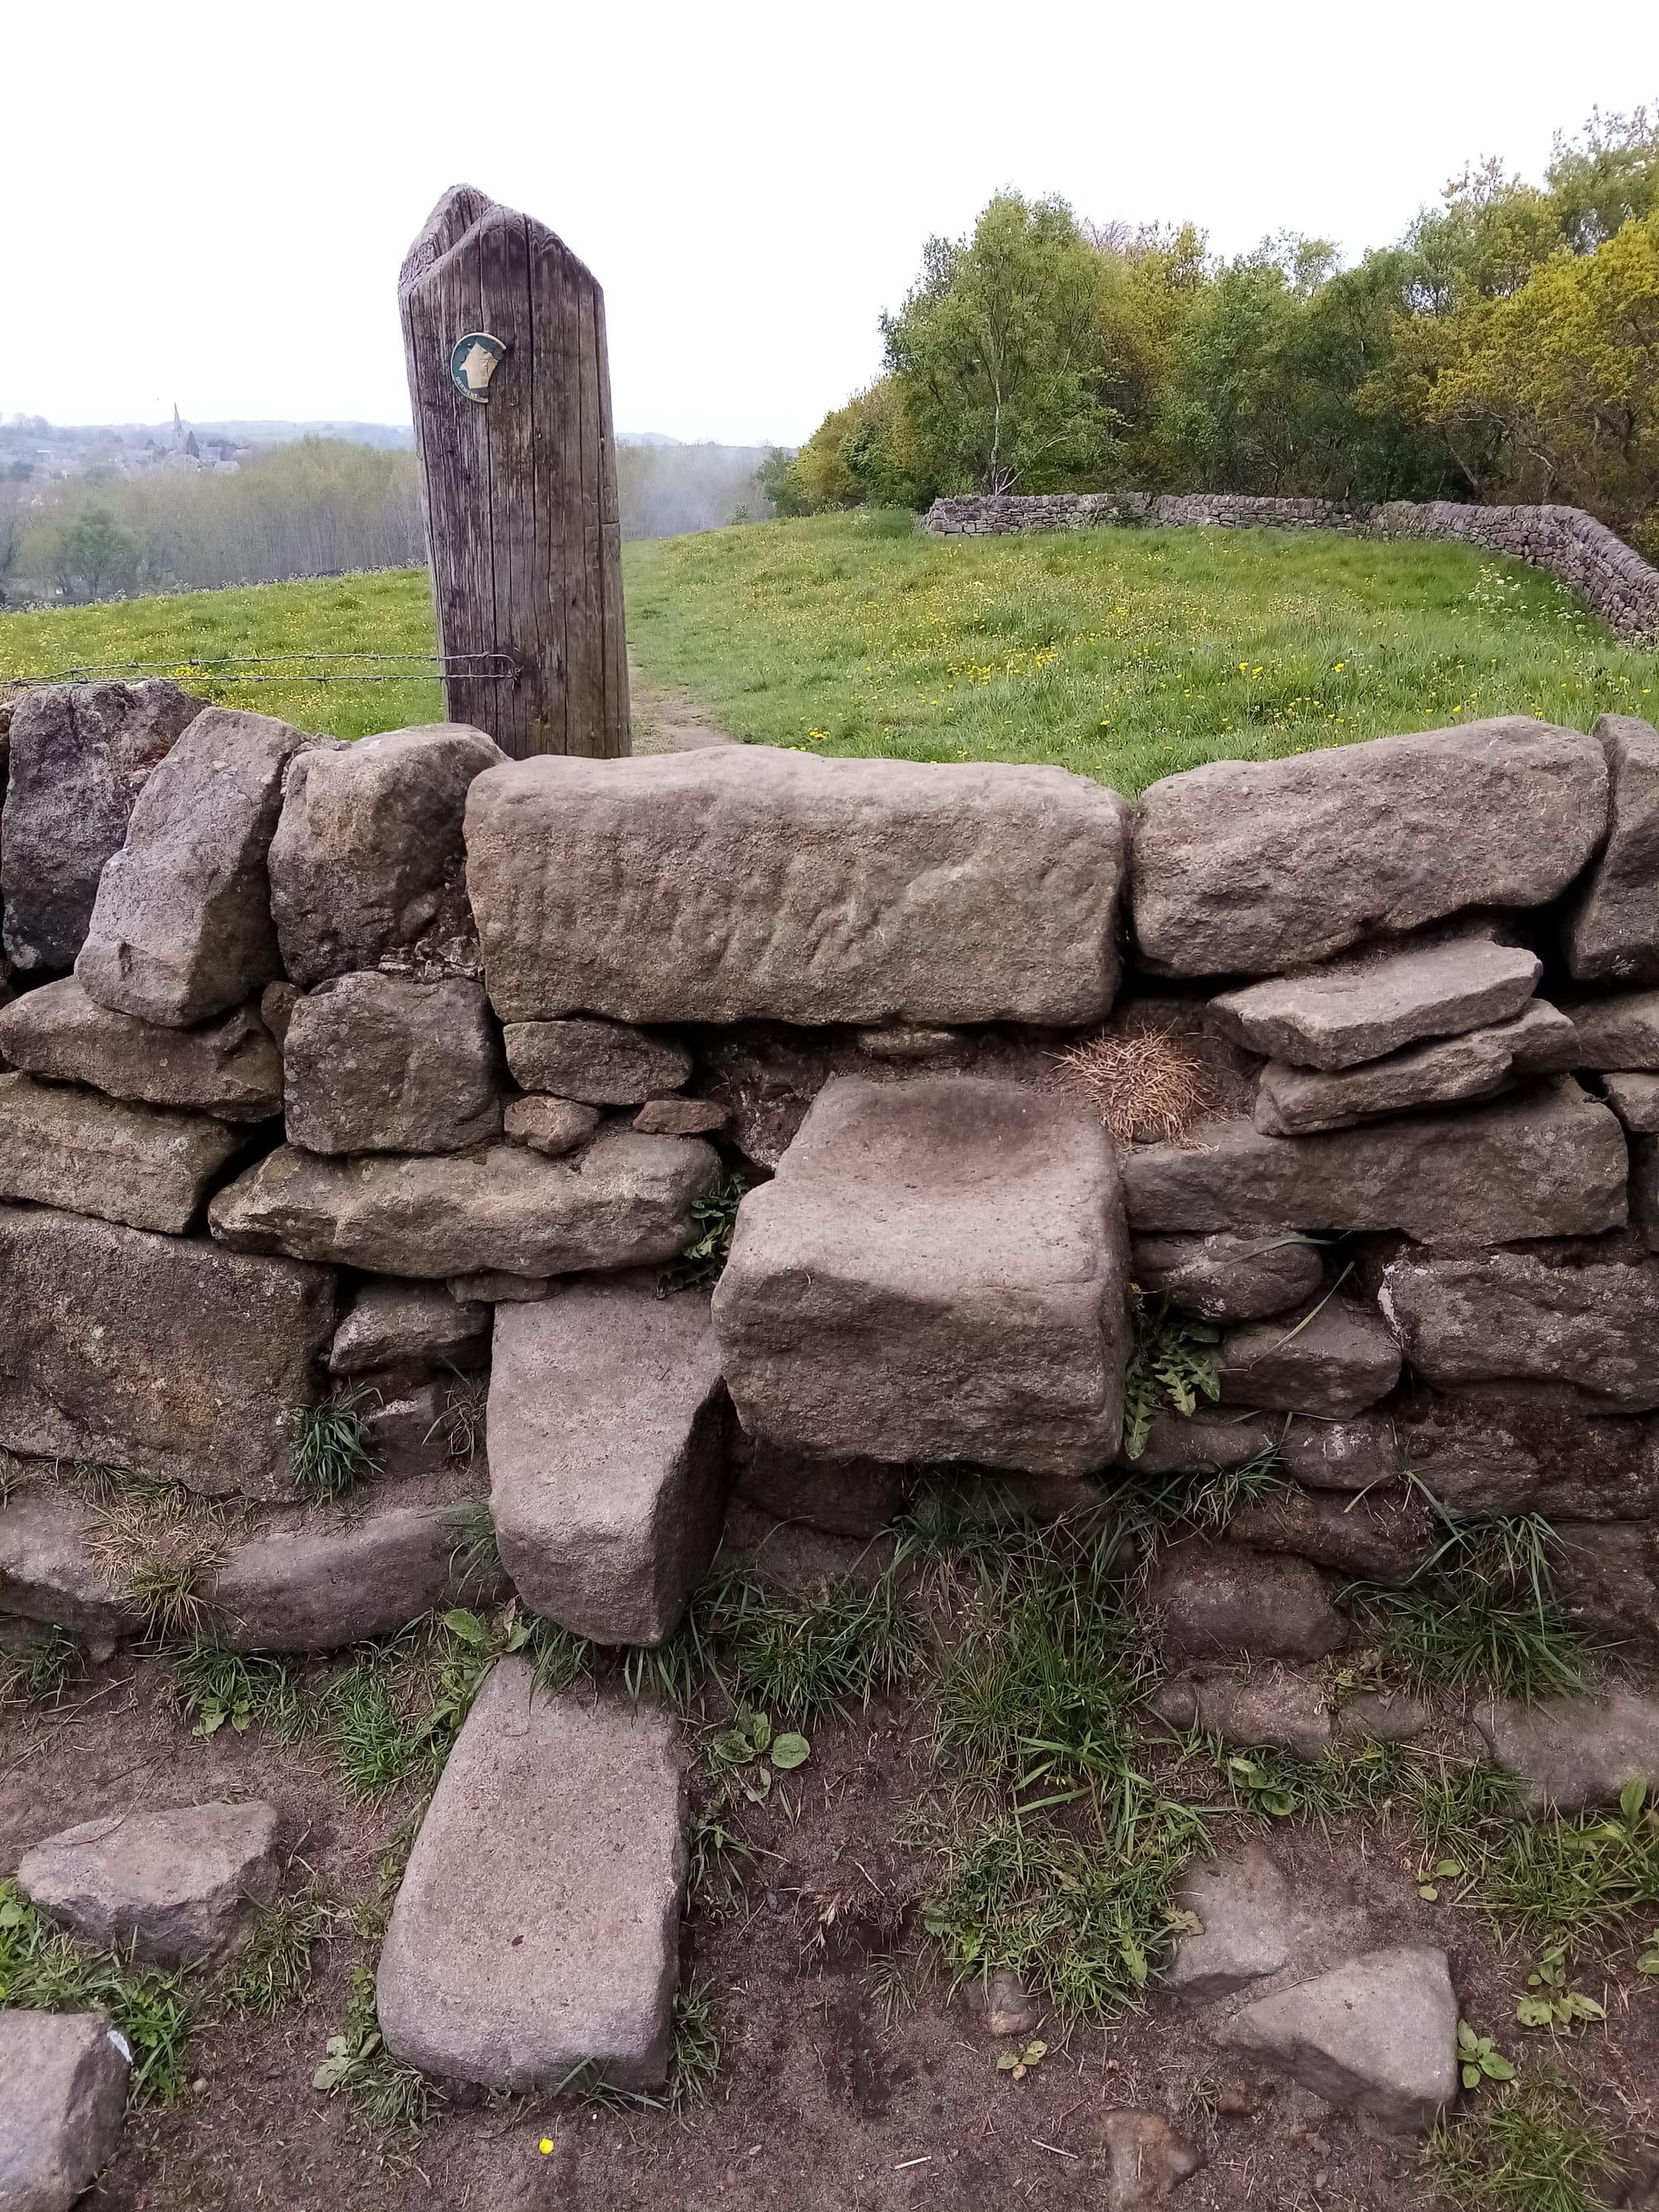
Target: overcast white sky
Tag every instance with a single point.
(208, 202)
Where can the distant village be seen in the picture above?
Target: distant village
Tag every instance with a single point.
(32, 449)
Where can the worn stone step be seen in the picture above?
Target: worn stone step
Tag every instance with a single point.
(176, 1885)
(1568, 1753)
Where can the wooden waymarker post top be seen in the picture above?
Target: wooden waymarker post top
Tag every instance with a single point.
(504, 341)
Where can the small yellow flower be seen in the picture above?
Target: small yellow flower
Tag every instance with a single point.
(545, 2146)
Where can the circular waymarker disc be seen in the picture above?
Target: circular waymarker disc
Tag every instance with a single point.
(473, 360)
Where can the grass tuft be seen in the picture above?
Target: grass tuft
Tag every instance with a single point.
(159, 1543)
(1528, 2146)
(1480, 1617)
(331, 1449)
(272, 1971)
(42, 1670)
(43, 1969)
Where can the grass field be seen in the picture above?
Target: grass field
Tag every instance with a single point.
(1126, 654)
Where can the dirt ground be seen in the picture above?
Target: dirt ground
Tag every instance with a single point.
(819, 2102)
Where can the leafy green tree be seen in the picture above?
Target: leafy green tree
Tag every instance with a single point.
(96, 557)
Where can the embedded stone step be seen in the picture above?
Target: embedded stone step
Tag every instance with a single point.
(392, 1323)
(1547, 1161)
(1334, 1360)
(536, 1929)
(623, 1202)
(229, 1067)
(145, 1166)
(1383, 1535)
(1606, 1575)
(1242, 1906)
(176, 1885)
(1291, 1102)
(1205, 1442)
(693, 887)
(938, 1272)
(1612, 933)
(1377, 2036)
(1269, 1705)
(1230, 1275)
(1635, 1100)
(167, 1355)
(377, 1063)
(549, 1126)
(63, 2095)
(1379, 1001)
(51, 1570)
(1568, 1753)
(367, 858)
(1341, 1455)
(609, 1438)
(1255, 867)
(1215, 1599)
(595, 1063)
(181, 929)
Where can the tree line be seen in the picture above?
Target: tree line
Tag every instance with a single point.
(1506, 349)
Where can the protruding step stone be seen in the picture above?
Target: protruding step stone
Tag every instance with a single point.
(1574, 1752)
(1269, 1705)
(623, 1202)
(51, 1570)
(144, 1166)
(1254, 867)
(63, 2094)
(1218, 1601)
(1580, 1330)
(174, 1885)
(536, 1930)
(551, 1126)
(1293, 1102)
(79, 754)
(181, 929)
(1242, 1906)
(1334, 1361)
(693, 887)
(1376, 2036)
(1231, 1275)
(1380, 1000)
(1547, 1162)
(1617, 1033)
(376, 1063)
(1612, 934)
(595, 1063)
(368, 857)
(394, 1324)
(609, 1456)
(230, 1067)
(1341, 1455)
(680, 1117)
(937, 1272)
(166, 1355)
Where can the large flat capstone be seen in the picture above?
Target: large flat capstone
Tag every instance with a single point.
(938, 1271)
(610, 1433)
(79, 755)
(181, 929)
(1547, 1161)
(1253, 867)
(537, 1927)
(377, 1063)
(716, 885)
(1294, 1102)
(175, 1885)
(229, 1067)
(147, 1166)
(1612, 934)
(368, 856)
(1379, 1001)
(171, 1357)
(62, 2093)
(623, 1202)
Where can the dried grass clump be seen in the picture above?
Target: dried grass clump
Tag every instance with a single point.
(1147, 1086)
(158, 1544)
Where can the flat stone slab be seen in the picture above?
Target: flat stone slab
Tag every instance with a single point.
(174, 1885)
(623, 1202)
(167, 1355)
(537, 1927)
(1334, 1360)
(595, 1063)
(377, 1063)
(368, 857)
(1255, 867)
(1581, 1330)
(78, 756)
(1618, 1032)
(1242, 1904)
(938, 1272)
(1377, 1001)
(63, 2094)
(1219, 1601)
(393, 1324)
(1292, 1102)
(1230, 1275)
(182, 929)
(1377, 2036)
(1635, 1100)
(1268, 1706)
(142, 1165)
(1547, 1161)
(609, 1436)
(1612, 933)
(722, 885)
(1572, 1751)
(230, 1067)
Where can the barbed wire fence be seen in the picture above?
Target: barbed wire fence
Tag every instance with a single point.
(300, 667)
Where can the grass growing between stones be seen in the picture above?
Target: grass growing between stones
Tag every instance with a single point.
(1529, 2146)
(40, 1672)
(159, 1543)
(271, 1973)
(331, 1449)
(43, 1969)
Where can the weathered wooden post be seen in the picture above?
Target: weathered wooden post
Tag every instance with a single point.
(504, 337)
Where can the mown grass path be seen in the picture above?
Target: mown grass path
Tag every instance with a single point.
(1124, 654)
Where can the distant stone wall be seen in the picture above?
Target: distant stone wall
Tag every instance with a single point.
(1567, 544)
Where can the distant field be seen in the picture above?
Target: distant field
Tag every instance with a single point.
(1124, 654)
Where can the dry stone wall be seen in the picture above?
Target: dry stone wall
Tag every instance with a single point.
(364, 1080)
(1565, 541)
